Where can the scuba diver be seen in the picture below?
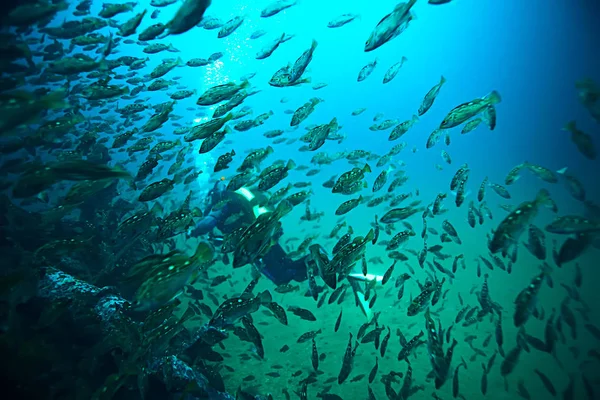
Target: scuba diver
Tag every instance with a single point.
(240, 208)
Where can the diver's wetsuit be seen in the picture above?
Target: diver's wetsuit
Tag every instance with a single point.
(241, 210)
(276, 264)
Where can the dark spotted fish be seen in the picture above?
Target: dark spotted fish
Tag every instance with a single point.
(536, 243)
(302, 313)
(315, 355)
(573, 225)
(236, 307)
(348, 361)
(546, 381)
(338, 322)
(308, 336)
(384, 342)
(388, 274)
(484, 381)
(254, 336)
(511, 228)
(278, 312)
(421, 301)
(373, 372)
(455, 383)
(510, 362)
(527, 298)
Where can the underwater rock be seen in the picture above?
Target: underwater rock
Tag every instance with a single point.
(108, 307)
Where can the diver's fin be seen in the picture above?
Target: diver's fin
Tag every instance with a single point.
(363, 305)
(355, 281)
(365, 278)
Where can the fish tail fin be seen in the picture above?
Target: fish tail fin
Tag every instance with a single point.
(362, 303)
(546, 269)
(204, 252)
(562, 171)
(415, 118)
(493, 97)
(284, 208)
(570, 126)
(55, 99)
(543, 198)
(442, 80)
(290, 164)
(314, 44)
(157, 208)
(265, 297)
(367, 168)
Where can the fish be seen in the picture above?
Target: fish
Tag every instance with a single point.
(374, 370)
(237, 307)
(431, 96)
(347, 362)
(572, 224)
(164, 277)
(546, 381)
(527, 298)
(510, 229)
(455, 382)
(536, 242)
(315, 355)
(302, 313)
(510, 361)
(300, 65)
(390, 26)
(466, 111)
(582, 140)
(348, 206)
(338, 322)
(253, 336)
(308, 336)
(278, 312)
(342, 20)
(393, 70)
(366, 71)
(276, 7)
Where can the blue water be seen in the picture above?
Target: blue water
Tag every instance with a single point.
(531, 52)
(531, 55)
